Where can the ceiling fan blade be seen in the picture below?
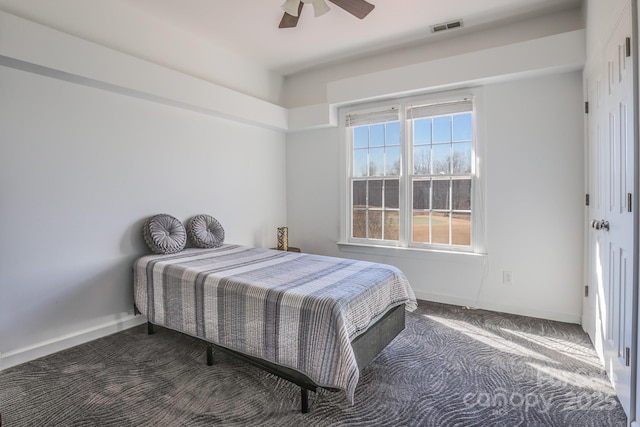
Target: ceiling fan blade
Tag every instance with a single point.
(358, 8)
(290, 21)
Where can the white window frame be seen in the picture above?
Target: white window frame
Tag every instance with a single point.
(404, 244)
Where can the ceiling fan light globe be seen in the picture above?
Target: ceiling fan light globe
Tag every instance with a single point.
(291, 7)
(319, 7)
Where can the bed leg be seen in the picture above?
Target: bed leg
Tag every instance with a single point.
(304, 399)
(150, 329)
(210, 355)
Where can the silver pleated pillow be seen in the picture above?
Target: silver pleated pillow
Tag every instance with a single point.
(164, 234)
(205, 231)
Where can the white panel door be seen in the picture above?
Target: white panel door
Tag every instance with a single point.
(611, 157)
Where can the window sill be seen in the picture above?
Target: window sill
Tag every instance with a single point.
(402, 252)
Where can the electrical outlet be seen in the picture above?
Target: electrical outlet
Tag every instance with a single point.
(507, 278)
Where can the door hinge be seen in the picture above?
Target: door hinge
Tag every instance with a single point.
(627, 356)
(629, 200)
(586, 200)
(586, 291)
(628, 47)
(586, 107)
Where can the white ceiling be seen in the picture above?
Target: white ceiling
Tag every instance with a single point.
(249, 28)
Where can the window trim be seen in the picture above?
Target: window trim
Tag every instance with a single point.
(478, 208)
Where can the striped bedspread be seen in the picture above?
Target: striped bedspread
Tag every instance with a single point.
(297, 310)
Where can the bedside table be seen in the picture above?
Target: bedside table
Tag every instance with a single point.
(290, 249)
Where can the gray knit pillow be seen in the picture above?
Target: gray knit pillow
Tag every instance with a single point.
(205, 231)
(164, 234)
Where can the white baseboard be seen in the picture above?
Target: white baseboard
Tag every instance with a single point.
(484, 305)
(26, 354)
(444, 299)
(32, 352)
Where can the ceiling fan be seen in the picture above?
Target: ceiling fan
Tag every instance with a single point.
(292, 9)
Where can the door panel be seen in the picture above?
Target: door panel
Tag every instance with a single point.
(611, 152)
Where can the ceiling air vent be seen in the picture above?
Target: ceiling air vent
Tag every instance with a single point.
(446, 26)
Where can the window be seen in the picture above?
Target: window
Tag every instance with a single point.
(376, 181)
(411, 174)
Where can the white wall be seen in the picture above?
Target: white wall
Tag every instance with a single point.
(80, 170)
(153, 39)
(534, 195)
(533, 166)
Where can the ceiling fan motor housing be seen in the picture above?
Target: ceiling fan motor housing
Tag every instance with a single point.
(292, 9)
(320, 7)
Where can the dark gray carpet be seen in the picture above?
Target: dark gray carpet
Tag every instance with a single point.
(450, 367)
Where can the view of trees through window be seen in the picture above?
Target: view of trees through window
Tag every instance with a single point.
(441, 180)
(440, 150)
(376, 154)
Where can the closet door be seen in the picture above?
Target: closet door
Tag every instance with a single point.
(611, 171)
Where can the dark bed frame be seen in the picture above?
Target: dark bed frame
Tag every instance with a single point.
(366, 347)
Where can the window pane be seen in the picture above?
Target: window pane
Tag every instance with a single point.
(422, 131)
(462, 127)
(361, 137)
(375, 194)
(376, 135)
(360, 162)
(462, 157)
(442, 129)
(376, 161)
(461, 229)
(392, 160)
(422, 159)
(421, 191)
(441, 159)
(375, 225)
(441, 195)
(420, 232)
(392, 193)
(461, 197)
(359, 194)
(440, 227)
(392, 133)
(359, 224)
(391, 229)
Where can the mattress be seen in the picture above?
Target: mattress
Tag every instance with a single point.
(296, 310)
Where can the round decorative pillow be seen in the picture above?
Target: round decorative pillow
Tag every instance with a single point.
(164, 234)
(205, 231)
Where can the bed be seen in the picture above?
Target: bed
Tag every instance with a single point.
(313, 320)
